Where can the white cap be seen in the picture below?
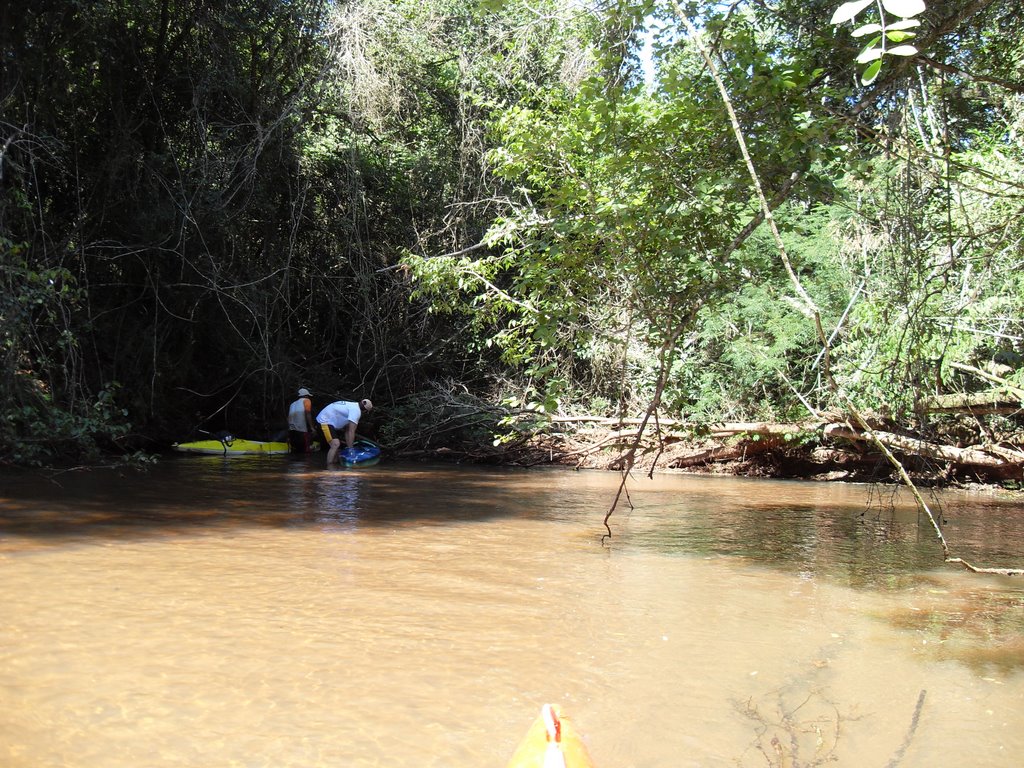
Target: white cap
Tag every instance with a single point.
(303, 392)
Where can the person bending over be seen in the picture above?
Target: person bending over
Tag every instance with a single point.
(338, 421)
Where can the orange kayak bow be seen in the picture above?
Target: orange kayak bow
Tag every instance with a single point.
(551, 742)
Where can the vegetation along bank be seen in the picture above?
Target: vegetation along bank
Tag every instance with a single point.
(601, 234)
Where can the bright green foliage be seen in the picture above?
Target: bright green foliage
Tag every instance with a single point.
(756, 355)
(631, 201)
(943, 283)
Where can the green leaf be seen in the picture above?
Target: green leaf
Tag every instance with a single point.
(869, 75)
(848, 11)
(898, 37)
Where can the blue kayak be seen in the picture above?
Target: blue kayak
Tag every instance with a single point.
(363, 453)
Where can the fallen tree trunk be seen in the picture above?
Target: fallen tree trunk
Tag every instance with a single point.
(719, 453)
(721, 429)
(990, 401)
(609, 420)
(587, 440)
(1007, 460)
(758, 428)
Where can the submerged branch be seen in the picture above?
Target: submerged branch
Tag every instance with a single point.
(914, 721)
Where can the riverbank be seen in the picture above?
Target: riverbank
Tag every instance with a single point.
(781, 451)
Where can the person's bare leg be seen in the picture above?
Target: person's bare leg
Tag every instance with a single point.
(332, 452)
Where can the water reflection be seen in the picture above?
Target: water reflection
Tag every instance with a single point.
(335, 505)
(852, 534)
(849, 534)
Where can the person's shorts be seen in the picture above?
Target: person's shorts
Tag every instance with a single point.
(330, 433)
(300, 442)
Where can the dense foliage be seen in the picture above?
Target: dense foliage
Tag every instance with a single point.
(451, 204)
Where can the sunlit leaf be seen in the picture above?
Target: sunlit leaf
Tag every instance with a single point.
(869, 54)
(904, 24)
(904, 8)
(867, 29)
(902, 50)
(869, 75)
(847, 11)
(874, 42)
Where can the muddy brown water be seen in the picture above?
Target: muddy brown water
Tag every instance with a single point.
(267, 612)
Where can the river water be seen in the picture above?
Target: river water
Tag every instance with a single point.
(228, 612)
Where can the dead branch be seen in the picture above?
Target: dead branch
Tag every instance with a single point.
(665, 358)
(607, 420)
(720, 429)
(1009, 386)
(975, 569)
(759, 428)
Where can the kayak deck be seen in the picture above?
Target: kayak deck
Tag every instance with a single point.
(235, 446)
(551, 742)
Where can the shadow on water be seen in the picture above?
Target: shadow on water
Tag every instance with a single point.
(810, 529)
(183, 494)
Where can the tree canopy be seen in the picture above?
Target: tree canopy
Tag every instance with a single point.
(204, 206)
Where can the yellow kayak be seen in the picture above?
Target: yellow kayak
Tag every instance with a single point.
(551, 742)
(231, 446)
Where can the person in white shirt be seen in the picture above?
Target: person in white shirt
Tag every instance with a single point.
(338, 418)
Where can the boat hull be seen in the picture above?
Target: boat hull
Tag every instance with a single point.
(363, 453)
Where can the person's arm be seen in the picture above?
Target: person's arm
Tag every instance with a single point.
(309, 417)
(350, 434)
